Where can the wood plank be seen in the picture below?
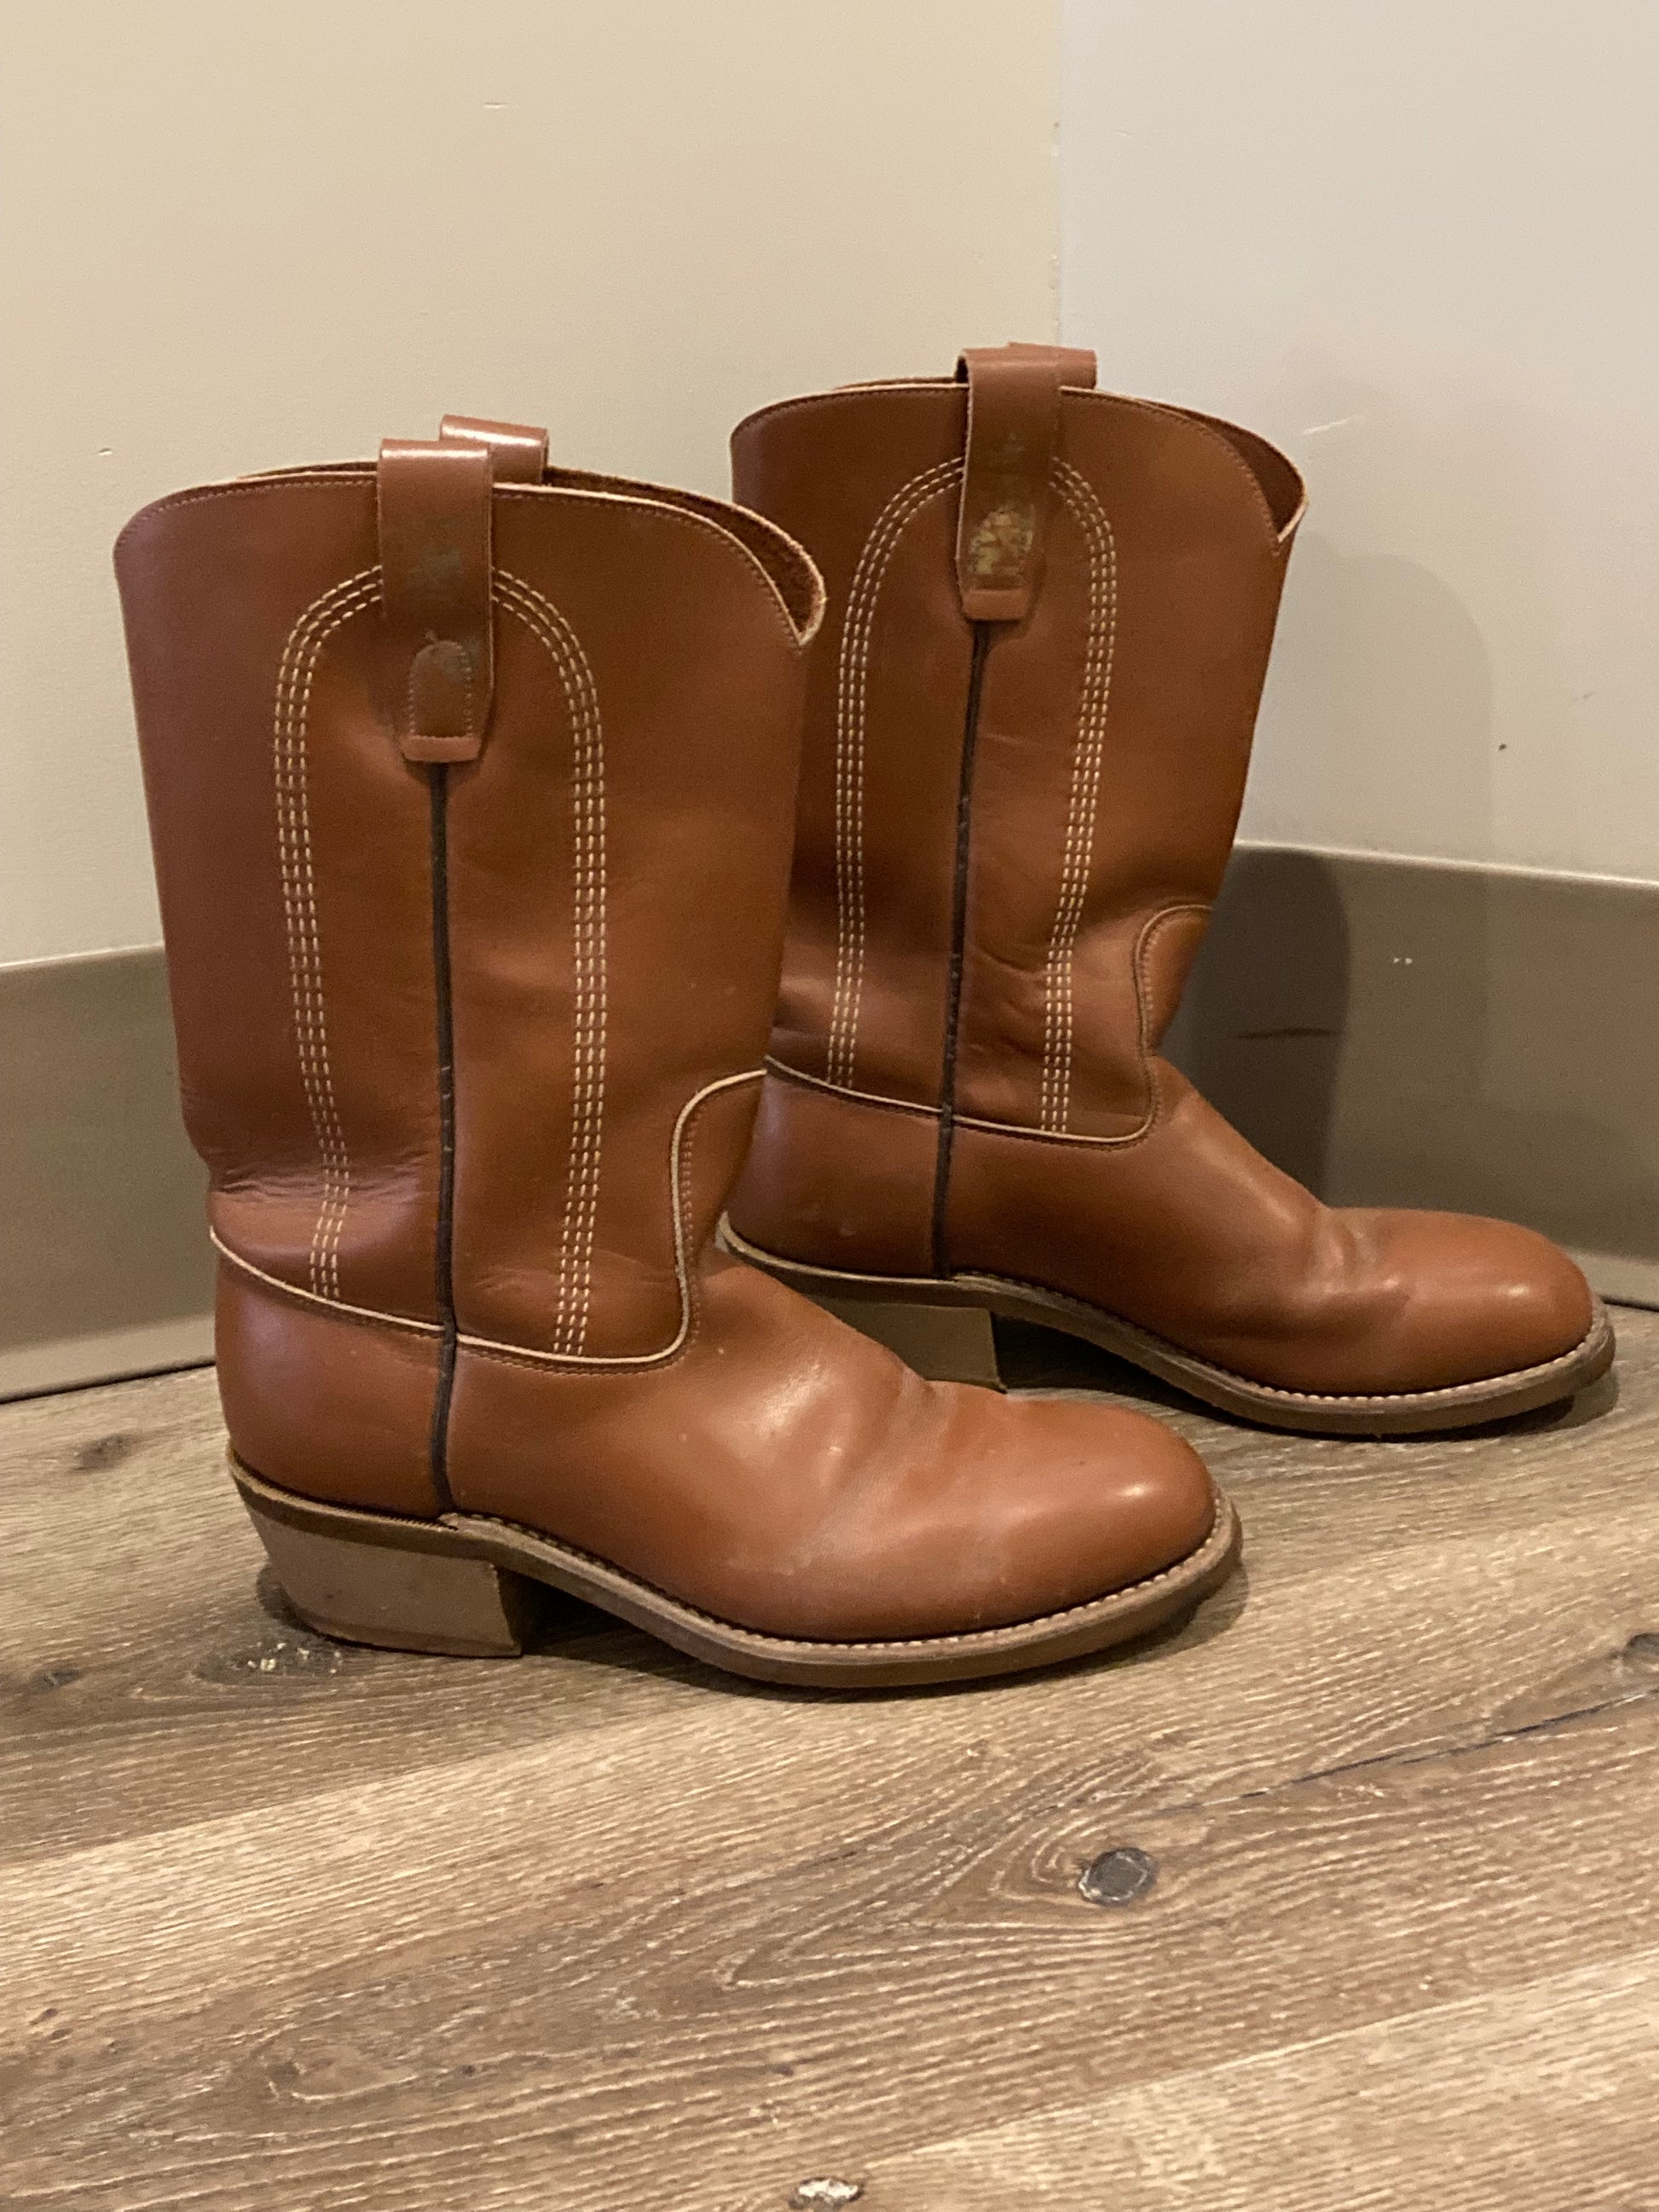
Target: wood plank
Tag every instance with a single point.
(1532, 2099)
(800, 1983)
(142, 1664)
(1423, 1649)
(149, 1670)
(595, 1929)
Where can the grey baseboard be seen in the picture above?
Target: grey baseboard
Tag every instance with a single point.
(1423, 1033)
(1391, 1031)
(104, 1260)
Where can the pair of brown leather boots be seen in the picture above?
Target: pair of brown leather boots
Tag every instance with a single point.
(474, 786)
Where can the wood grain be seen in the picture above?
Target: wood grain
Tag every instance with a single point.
(287, 1924)
(1532, 2099)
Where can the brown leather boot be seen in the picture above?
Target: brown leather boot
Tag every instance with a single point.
(1029, 720)
(471, 786)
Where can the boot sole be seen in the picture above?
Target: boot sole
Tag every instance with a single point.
(943, 1329)
(464, 1585)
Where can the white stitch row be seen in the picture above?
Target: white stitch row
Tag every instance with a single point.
(292, 713)
(851, 698)
(1057, 1006)
(554, 633)
(1077, 860)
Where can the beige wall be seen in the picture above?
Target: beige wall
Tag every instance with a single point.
(1414, 241)
(237, 236)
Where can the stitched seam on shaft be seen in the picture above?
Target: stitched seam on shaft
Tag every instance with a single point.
(554, 633)
(291, 721)
(1059, 1037)
(337, 1309)
(531, 1355)
(1144, 943)
(851, 700)
(644, 496)
(783, 1070)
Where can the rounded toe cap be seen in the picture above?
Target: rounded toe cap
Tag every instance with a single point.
(1484, 1299)
(1109, 1499)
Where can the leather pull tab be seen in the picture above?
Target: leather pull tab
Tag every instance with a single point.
(519, 451)
(433, 508)
(1013, 426)
(1079, 369)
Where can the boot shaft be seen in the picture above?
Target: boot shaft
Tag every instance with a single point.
(472, 792)
(470, 804)
(1028, 722)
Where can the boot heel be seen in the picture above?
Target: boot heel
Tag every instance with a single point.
(402, 1585)
(947, 1343)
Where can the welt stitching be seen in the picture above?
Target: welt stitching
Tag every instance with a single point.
(1459, 1390)
(954, 1638)
(1077, 861)
(550, 628)
(851, 704)
(300, 656)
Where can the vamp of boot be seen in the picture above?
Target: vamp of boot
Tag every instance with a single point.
(471, 790)
(1030, 713)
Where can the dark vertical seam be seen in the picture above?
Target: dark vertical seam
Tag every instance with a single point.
(438, 785)
(947, 1094)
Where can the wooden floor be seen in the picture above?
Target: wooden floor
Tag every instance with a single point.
(286, 1925)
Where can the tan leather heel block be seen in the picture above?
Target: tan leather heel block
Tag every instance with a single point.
(400, 1588)
(326, 1406)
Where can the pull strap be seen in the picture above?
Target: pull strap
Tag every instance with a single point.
(434, 511)
(519, 451)
(1014, 426)
(1079, 368)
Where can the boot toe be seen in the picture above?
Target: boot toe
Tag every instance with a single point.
(1482, 1299)
(1107, 1499)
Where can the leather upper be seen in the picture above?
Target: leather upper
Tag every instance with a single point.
(1011, 831)
(472, 799)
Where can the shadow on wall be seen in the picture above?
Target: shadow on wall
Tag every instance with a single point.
(1260, 1028)
(1378, 708)
(1441, 1035)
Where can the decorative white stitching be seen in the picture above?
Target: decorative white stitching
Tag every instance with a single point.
(679, 1209)
(851, 698)
(549, 627)
(301, 655)
(1078, 855)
